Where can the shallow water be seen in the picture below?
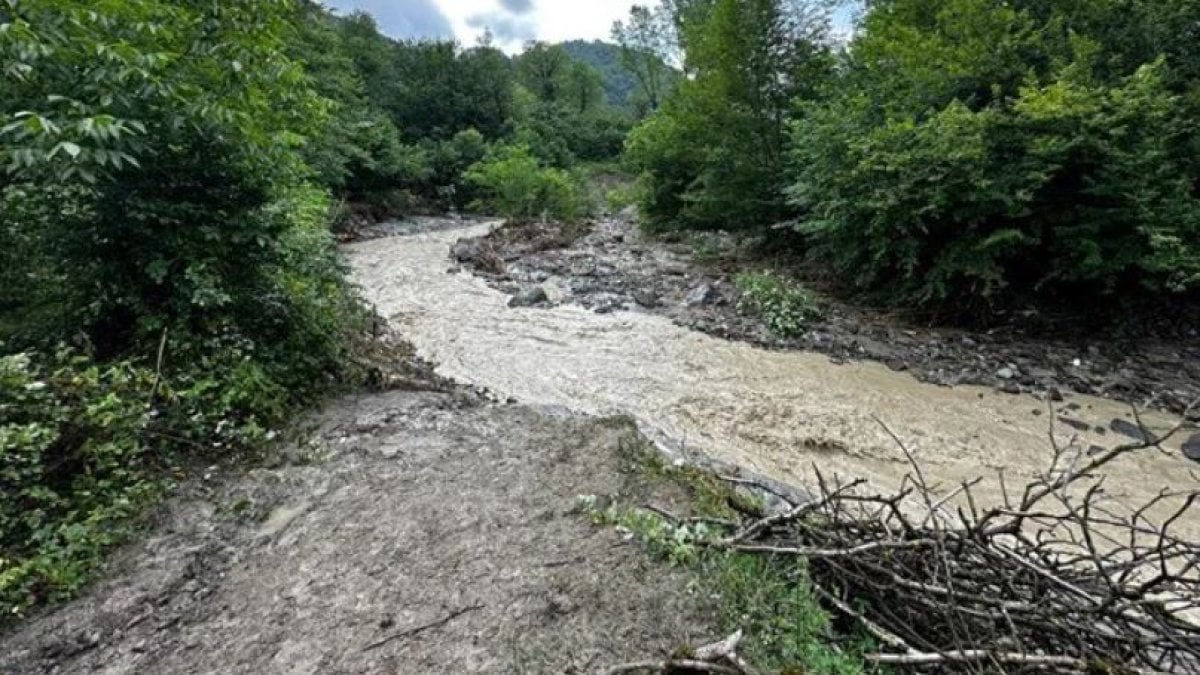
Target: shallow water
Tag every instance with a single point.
(776, 413)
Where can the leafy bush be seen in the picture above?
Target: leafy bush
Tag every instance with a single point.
(712, 156)
(159, 203)
(514, 184)
(1038, 166)
(74, 464)
(784, 306)
(449, 160)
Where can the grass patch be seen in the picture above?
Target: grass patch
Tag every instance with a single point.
(769, 598)
(785, 306)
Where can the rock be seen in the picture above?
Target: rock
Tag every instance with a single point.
(467, 250)
(1191, 448)
(1054, 394)
(700, 295)
(529, 297)
(646, 297)
(1126, 428)
(1074, 424)
(554, 293)
(1006, 373)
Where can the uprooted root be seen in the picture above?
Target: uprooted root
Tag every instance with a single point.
(1057, 579)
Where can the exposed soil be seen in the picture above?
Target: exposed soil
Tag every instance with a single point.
(612, 266)
(415, 532)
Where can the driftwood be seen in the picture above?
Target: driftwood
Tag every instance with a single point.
(1057, 578)
(718, 657)
(1054, 579)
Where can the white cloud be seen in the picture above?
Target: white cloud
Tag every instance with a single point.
(512, 21)
(549, 20)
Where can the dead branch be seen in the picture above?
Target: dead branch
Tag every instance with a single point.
(1059, 577)
(718, 657)
(417, 630)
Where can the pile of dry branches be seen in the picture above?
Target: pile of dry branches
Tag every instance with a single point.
(1057, 578)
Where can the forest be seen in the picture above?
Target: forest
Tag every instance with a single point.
(176, 175)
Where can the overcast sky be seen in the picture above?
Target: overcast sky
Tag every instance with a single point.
(512, 22)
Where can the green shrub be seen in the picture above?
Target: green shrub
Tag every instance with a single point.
(784, 306)
(990, 151)
(712, 156)
(620, 197)
(160, 205)
(514, 184)
(446, 184)
(75, 463)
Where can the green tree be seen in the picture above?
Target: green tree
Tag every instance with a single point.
(358, 151)
(544, 70)
(648, 44)
(979, 150)
(154, 181)
(585, 89)
(748, 62)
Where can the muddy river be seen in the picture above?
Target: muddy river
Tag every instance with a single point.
(774, 413)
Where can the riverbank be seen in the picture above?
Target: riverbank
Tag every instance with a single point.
(773, 412)
(412, 531)
(610, 265)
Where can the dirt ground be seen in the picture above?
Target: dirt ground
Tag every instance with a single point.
(414, 532)
(610, 265)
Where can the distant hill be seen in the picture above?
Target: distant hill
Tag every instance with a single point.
(619, 84)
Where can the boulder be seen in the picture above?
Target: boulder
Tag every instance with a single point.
(646, 297)
(701, 295)
(529, 297)
(553, 292)
(1191, 448)
(1129, 429)
(467, 250)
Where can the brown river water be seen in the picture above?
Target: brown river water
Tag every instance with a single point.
(775, 413)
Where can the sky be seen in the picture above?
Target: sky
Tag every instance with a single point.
(512, 22)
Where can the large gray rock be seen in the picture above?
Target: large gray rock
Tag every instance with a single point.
(529, 297)
(1191, 448)
(646, 297)
(1130, 430)
(554, 292)
(467, 250)
(701, 295)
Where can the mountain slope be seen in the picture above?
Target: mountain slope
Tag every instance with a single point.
(619, 84)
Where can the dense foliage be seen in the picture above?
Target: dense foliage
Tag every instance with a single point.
(619, 84)
(514, 184)
(167, 229)
(954, 149)
(977, 148)
(713, 156)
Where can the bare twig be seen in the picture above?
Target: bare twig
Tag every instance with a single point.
(1056, 577)
(416, 630)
